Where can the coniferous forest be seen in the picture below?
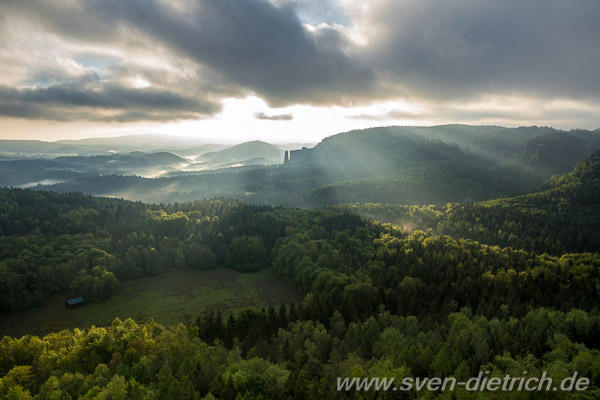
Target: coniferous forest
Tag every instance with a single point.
(505, 286)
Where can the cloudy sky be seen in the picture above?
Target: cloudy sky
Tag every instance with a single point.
(293, 70)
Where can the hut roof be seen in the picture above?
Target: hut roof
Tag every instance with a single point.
(75, 300)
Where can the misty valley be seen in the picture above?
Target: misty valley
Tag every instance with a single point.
(394, 165)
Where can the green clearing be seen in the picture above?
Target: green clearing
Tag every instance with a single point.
(168, 299)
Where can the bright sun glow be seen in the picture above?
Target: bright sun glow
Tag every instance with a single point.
(238, 121)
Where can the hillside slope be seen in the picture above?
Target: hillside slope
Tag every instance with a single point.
(562, 216)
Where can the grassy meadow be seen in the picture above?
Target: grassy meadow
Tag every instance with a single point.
(167, 298)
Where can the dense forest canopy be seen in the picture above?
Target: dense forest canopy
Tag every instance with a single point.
(381, 300)
(562, 216)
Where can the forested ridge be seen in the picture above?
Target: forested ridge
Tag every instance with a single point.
(562, 216)
(380, 300)
(397, 165)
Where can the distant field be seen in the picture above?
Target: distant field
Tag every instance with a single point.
(169, 299)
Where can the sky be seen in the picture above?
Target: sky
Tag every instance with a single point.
(293, 70)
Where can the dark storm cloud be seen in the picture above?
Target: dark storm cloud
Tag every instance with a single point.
(427, 49)
(254, 44)
(278, 117)
(461, 48)
(88, 97)
(238, 47)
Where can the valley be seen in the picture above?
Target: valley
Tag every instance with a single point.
(395, 165)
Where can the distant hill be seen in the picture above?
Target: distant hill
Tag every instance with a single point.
(196, 151)
(187, 146)
(29, 148)
(398, 165)
(535, 153)
(249, 153)
(98, 146)
(184, 146)
(434, 172)
(435, 165)
(138, 140)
